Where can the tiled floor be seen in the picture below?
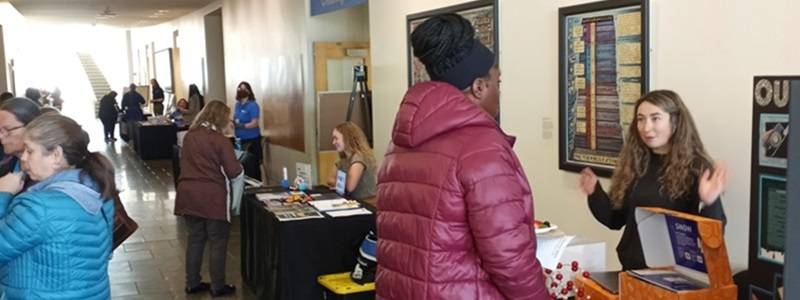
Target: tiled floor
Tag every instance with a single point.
(150, 264)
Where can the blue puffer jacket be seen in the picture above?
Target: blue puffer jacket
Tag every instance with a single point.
(55, 240)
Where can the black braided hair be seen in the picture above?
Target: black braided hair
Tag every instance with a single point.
(442, 41)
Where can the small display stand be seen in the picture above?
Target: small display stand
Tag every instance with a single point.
(340, 286)
(687, 256)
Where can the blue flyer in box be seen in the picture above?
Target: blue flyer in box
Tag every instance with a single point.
(669, 280)
(686, 245)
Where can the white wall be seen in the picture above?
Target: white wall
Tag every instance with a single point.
(10, 19)
(708, 51)
(215, 59)
(3, 68)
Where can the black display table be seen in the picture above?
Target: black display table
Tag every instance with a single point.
(282, 260)
(154, 141)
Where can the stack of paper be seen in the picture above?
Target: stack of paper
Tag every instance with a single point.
(348, 212)
(335, 204)
(301, 212)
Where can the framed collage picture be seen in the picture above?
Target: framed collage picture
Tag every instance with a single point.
(603, 70)
(482, 14)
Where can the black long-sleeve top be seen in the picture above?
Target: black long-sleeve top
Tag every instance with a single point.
(644, 192)
(158, 94)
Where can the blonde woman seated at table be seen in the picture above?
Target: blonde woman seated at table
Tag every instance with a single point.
(356, 161)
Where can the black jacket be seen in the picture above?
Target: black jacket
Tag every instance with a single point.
(644, 192)
(108, 109)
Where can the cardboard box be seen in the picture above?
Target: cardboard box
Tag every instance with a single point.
(690, 245)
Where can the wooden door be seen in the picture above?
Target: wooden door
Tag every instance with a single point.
(332, 64)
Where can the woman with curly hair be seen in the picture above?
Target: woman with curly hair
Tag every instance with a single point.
(662, 164)
(355, 160)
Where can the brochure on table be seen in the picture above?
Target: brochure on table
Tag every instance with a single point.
(674, 242)
(329, 204)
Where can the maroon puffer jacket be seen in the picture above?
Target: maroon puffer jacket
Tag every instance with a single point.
(455, 209)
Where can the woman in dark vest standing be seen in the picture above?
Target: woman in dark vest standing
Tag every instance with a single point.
(158, 98)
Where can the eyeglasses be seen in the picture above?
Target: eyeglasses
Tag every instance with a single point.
(5, 131)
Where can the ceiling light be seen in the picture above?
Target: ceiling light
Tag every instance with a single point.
(106, 13)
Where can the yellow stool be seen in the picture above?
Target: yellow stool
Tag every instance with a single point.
(340, 286)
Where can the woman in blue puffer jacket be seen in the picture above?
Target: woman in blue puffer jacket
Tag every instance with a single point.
(55, 238)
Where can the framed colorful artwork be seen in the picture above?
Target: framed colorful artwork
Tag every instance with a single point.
(483, 16)
(603, 70)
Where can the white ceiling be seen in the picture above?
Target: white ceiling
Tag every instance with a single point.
(129, 13)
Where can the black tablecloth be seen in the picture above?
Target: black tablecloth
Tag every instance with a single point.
(282, 260)
(154, 141)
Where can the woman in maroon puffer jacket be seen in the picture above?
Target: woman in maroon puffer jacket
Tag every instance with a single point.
(455, 209)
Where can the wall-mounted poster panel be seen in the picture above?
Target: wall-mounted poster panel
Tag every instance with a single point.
(603, 70)
(769, 199)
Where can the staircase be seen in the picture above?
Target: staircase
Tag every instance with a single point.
(96, 79)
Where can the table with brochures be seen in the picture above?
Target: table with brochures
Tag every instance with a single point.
(284, 251)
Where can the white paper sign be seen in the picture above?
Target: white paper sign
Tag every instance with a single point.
(549, 249)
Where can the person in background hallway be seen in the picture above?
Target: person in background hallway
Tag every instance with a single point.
(44, 100)
(56, 238)
(246, 122)
(355, 160)
(34, 95)
(177, 117)
(58, 103)
(109, 113)
(132, 104)
(202, 196)
(455, 210)
(196, 102)
(14, 115)
(5, 96)
(158, 98)
(662, 164)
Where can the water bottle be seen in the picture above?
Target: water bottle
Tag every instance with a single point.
(285, 180)
(238, 144)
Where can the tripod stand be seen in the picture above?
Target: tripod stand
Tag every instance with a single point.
(361, 94)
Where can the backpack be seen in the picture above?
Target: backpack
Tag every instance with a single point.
(366, 263)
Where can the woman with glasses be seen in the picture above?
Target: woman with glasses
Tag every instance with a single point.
(14, 115)
(56, 237)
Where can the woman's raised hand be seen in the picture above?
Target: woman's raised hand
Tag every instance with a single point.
(588, 181)
(712, 183)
